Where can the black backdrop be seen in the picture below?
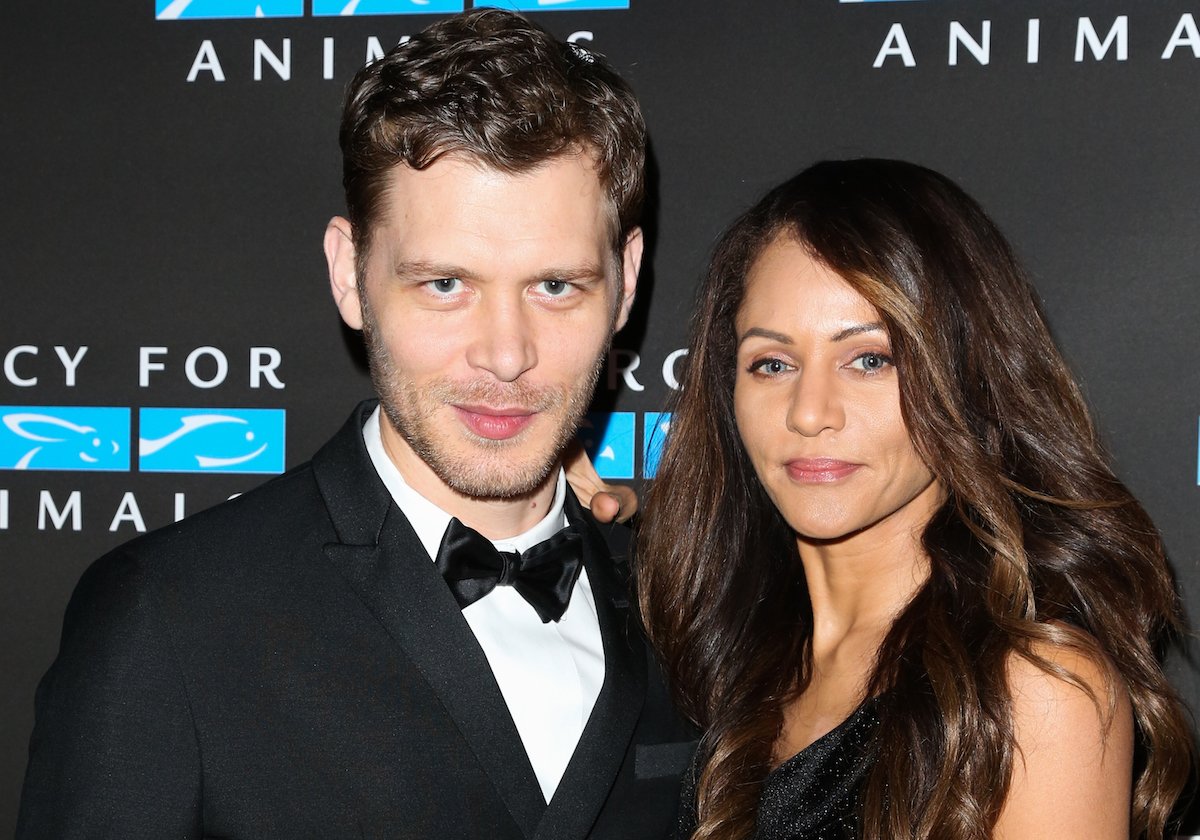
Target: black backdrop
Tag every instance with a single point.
(143, 209)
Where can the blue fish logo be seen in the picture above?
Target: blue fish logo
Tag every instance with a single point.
(346, 8)
(248, 440)
(556, 5)
(215, 9)
(608, 440)
(654, 438)
(64, 438)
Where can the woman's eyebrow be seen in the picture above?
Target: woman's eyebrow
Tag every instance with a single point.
(857, 329)
(762, 333)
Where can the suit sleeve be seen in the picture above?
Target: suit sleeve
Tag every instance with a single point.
(114, 751)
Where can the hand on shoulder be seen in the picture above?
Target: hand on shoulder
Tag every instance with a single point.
(608, 502)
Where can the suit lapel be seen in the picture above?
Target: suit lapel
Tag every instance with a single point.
(382, 558)
(601, 750)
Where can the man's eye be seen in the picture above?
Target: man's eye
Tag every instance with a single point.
(555, 288)
(445, 285)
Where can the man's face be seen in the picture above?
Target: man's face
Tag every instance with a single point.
(488, 305)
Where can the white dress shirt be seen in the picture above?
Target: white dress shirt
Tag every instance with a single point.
(550, 674)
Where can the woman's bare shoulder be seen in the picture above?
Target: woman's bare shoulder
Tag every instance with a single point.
(1073, 765)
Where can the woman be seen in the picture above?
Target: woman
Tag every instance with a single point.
(885, 562)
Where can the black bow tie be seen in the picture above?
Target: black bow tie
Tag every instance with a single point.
(544, 575)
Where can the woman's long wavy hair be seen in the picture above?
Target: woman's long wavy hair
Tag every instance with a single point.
(1038, 543)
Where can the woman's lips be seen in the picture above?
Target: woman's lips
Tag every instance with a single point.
(819, 470)
(494, 423)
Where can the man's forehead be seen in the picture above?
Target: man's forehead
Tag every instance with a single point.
(446, 189)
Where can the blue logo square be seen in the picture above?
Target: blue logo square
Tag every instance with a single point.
(609, 440)
(654, 438)
(211, 440)
(556, 5)
(214, 9)
(347, 8)
(50, 437)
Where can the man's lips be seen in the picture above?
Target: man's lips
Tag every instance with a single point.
(494, 423)
(819, 470)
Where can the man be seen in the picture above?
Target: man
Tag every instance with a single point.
(420, 633)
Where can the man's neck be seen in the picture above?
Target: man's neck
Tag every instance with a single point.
(496, 519)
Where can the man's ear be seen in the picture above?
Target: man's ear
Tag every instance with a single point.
(631, 264)
(343, 279)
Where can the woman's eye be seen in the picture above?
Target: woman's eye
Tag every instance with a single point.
(770, 367)
(555, 288)
(445, 285)
(871, 362)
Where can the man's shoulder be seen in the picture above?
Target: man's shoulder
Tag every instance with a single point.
(618, 538)
(260, 514)
(615, 539)
(250, 530)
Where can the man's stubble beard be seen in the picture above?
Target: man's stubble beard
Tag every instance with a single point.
(492, 473)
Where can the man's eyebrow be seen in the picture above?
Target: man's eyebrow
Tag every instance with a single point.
(429, 270)
(418, 269)
(584, 273)
(857, 329)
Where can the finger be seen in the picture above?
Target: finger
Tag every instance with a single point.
(606, 507)
(626, 499)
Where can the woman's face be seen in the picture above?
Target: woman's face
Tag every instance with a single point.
(817, 400)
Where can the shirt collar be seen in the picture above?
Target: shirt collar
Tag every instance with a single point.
(430, 521)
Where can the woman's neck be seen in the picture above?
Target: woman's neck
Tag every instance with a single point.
(860, 583)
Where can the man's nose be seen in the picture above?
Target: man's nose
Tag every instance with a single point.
(503, 342)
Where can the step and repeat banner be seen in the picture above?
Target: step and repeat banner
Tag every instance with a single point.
(167, 337)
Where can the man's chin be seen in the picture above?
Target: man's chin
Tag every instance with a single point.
(504, 486)
(494, 471)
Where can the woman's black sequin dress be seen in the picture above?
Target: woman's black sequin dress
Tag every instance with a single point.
(814, 795)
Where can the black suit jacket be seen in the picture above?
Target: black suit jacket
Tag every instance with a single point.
(290, 664)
